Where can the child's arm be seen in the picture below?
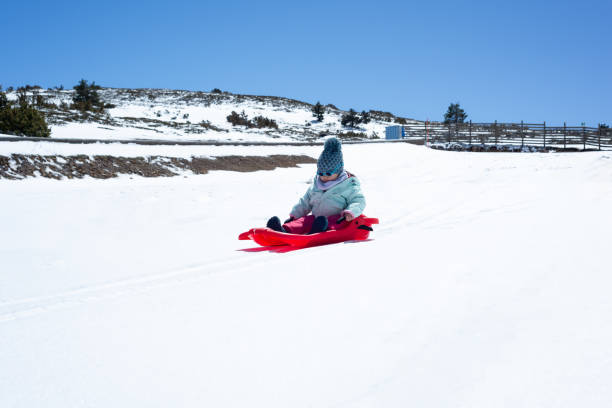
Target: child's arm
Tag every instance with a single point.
(356, 201)
(303, 207)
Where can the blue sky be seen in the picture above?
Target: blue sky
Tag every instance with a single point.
(507, 61)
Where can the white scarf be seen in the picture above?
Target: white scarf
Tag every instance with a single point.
(329, 184)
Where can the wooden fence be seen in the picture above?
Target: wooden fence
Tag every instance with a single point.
(514, 134)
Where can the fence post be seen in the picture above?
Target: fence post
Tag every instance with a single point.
(583, 139)
(471, 132)
(564, 135)
(522, 136)
(545, 135)
(599, 138)
(457, 133)
(495, 133)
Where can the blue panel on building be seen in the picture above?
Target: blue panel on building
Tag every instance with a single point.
(394, 132)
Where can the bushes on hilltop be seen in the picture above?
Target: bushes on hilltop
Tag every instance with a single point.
(23, 119)
(257, 122)
(29, 88)
(238, 119)
(263, 122)
(352, 118)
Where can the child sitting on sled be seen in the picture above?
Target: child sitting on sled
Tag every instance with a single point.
(334, 194)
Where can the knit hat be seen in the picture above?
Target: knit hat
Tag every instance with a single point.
(330, 161)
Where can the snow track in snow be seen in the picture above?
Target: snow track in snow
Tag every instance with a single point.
(27, 307)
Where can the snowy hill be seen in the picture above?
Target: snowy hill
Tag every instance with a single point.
(190, 115)
(487, 284)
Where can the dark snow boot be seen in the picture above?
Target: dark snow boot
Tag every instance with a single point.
(319, 225)
(275, 224)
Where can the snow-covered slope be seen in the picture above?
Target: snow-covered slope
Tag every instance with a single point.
(189, 115)
(487, 284)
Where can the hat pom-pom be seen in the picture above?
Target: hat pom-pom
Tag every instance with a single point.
(332, 145)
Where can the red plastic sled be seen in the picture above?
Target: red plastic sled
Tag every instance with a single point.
(356, 230)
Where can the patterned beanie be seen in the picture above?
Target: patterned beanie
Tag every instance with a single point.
(330, 161)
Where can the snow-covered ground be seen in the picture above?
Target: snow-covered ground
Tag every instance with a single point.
(487, 284)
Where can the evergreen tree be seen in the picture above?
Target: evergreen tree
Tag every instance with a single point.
(365, 117)
(350, 119)
(317, 111)
(603, 126)
(86, 96)
(22, 120)
(455, 114)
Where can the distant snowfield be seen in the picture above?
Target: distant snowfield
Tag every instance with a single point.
(93, 131)
(134, 150)
(487, 284)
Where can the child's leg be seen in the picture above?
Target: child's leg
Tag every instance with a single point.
(304, 224)
(300, 225)
(331, 220)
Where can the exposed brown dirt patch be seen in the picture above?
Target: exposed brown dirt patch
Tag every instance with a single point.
(18, 166)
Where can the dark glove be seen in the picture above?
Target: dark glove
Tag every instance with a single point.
(291, 218)
(340, 220)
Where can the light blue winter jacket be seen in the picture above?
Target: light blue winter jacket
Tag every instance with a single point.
(345, 195)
